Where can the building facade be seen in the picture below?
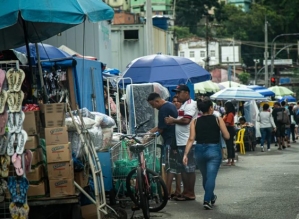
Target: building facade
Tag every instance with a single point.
(220, 51)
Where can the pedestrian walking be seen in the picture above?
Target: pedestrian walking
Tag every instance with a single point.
(279, 114)
(229, 119)
(205, 131)
(186, 113)
(267, 125)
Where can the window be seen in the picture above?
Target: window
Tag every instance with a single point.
(212, 53)
(191, 54)
(131, 34)
(202, 54)
(182, 54)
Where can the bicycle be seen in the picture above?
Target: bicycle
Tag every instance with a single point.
(144, 186)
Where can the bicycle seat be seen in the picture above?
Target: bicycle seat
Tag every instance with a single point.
(137, 148)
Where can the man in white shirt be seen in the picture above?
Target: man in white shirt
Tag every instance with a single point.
(186, 113)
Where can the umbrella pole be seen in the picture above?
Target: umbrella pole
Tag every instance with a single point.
(40, 72)
(28, 57)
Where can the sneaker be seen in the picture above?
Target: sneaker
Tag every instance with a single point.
(262, 149)
(214, 200)
(269, 149)
(207, 206)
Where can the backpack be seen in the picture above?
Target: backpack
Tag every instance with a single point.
(282, 117)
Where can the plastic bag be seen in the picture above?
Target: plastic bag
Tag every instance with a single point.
(71, 126)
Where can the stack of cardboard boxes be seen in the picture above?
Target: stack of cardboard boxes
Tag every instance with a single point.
(58, 150)
(32, 126)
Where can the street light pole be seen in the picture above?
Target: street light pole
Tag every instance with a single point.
(266, 54)
(149, 27)
(272, 48)
(256, 61)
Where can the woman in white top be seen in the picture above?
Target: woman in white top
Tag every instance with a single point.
(266, 126)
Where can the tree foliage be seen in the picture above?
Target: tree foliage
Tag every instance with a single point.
(190, 12)
(281, 15)
(244, 77)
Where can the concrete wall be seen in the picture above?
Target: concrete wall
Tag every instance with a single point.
(90, 39)
(126, 50)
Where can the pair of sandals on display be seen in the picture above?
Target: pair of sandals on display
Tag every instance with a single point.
(14, 96)
(18, 187)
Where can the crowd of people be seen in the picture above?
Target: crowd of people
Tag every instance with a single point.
(193, 132)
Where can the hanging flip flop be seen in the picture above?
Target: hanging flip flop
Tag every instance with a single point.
(5, 161)
(14, 210)
(3, 121)
(19, 78)
(3, 187)
(17, 163)
(3, 99)
(19, 96)
(10, 144)
(23, 187)
(24, 211)
(28, 161)
(22, 138)
(2, 79)
(11, 122)
(3, 143)
(19, 119)
(10, 76)
(11, 101)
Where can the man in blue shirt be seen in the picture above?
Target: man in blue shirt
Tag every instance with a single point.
(167, 132)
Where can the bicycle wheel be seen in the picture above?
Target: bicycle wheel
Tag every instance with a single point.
(143, 193)
(158, 195)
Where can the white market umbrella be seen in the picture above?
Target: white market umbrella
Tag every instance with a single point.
(238, 93)
(281, 91)
(228, 84)
(205, 87)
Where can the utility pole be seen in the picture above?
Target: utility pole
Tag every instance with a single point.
(207, 43)
(149, 27)
(266, 54)
(256, 61)
(234, 66)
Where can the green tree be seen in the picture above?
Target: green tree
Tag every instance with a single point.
(182, 32)
(244, 77)
(190, 12)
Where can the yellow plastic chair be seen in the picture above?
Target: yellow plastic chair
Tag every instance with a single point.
(240, 140)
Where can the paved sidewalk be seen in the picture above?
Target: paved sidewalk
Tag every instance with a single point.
(262, 185)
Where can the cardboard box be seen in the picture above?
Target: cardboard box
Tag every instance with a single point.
(59, 153)
(31, 122)
(53, 114)
(37, 190)
(81, 178)
(89, 211)
(63, 170)
(36, 174)
(61, 187)
(57, 135)
(32, 142)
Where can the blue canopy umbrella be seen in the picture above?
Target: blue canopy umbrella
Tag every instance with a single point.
(46, 52)
(24, 21)
(262, 90)
(238, 93)
(166, 70)
(287, 98)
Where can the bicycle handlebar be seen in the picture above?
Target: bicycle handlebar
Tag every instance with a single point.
(141, 124)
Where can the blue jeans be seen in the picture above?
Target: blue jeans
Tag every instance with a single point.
(208, 158)
(266, 135)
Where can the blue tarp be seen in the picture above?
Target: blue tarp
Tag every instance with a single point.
(83, 78)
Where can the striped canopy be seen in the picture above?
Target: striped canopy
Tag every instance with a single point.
(238, 93)
(262, 90)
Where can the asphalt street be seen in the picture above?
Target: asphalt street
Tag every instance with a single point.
(262, 185)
